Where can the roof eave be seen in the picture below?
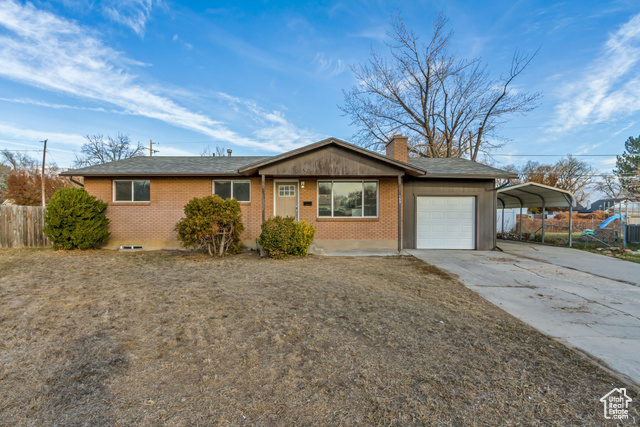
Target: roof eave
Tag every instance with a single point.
(181, 174)
(472, 176)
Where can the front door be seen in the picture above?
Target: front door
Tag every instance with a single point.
(287, 198)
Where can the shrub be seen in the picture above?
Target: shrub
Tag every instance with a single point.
(75, 220)
(285, 236)
(213, 224)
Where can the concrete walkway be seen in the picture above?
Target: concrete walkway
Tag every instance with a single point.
(588, 301)
(588, 262)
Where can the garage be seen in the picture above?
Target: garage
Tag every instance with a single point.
(445, 222)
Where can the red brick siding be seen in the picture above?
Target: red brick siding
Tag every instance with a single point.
(157, 218)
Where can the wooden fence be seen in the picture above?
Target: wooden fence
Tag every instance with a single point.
(21, 227)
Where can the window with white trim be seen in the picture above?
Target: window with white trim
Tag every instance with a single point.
(356, 199)
(137, 190)
(227, 189)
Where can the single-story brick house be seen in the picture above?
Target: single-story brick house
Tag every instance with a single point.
(356, 198)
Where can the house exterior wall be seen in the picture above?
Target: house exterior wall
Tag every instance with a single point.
(152, 223)
(482, 190)
(354, 233)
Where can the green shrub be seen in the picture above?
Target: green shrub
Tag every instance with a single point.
(213, 224)
(75, 220)
(285, 236)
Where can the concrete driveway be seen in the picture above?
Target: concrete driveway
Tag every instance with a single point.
(588, 301)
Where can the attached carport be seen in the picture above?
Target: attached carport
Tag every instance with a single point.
(534, 195)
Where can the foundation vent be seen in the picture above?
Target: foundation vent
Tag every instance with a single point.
(130, 247)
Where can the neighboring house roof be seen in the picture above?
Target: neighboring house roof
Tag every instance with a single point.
(166, 166)
(455, 167)
(249, 165)
(604, 204)
(532, 195)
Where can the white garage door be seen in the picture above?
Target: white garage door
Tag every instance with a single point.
(446, 223)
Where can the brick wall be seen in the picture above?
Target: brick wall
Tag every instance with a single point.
(152, 223)
(383, 227)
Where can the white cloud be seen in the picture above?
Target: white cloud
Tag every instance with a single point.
(329, 67)
(131, 13)
(376, 33)
(273, 126)
(610, 87)
(176, 38)
(11, 130)
(29, 101)
(609, 162)
(52, 53)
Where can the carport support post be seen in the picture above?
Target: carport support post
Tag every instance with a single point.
(503, 220)
(521, 221)
(544, 214)
(570, 225)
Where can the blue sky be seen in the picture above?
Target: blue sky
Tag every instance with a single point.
(265, 77)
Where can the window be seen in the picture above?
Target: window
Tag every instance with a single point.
(287, 190)
(239, 190)
(357, 199)
(131, 191)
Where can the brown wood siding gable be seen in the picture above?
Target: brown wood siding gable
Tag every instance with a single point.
(331, 161)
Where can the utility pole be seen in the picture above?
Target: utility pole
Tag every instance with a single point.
(151, 150)
(44, 156)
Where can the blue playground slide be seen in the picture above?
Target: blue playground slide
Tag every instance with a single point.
(609, 220)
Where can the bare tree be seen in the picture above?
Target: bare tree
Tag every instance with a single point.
(448, 107)
(611, 187)
(567, 173)
(538, 173)
(99, 150)
(208, 152)
(576, 176)
(500, 182)
(17, 161)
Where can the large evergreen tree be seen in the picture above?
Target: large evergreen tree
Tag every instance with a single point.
(628, 166)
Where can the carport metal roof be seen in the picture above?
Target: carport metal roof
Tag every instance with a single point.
(534, 195)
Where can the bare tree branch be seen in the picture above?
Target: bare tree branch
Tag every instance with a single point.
(97, 150)
(448, 107)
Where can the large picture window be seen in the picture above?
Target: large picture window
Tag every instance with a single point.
(131, 191)
(239, 190)
(357, 199)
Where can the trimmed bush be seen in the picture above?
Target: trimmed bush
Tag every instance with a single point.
(75, 220)
(285, 236)
(213, 224)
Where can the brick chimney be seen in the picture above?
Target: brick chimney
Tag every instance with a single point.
(397, 148)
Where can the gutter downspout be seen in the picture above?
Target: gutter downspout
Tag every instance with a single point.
(495, 214)
(399, 213)
(76, 182)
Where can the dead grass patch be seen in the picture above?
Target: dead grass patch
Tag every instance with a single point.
(176, 338)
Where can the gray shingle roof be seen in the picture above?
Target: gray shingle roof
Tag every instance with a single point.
(229, 165)
(457, 167)
(165, 165)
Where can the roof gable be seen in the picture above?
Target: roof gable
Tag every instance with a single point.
(330, 160)
(331, 157)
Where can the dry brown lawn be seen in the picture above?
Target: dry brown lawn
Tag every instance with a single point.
(175, 338)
